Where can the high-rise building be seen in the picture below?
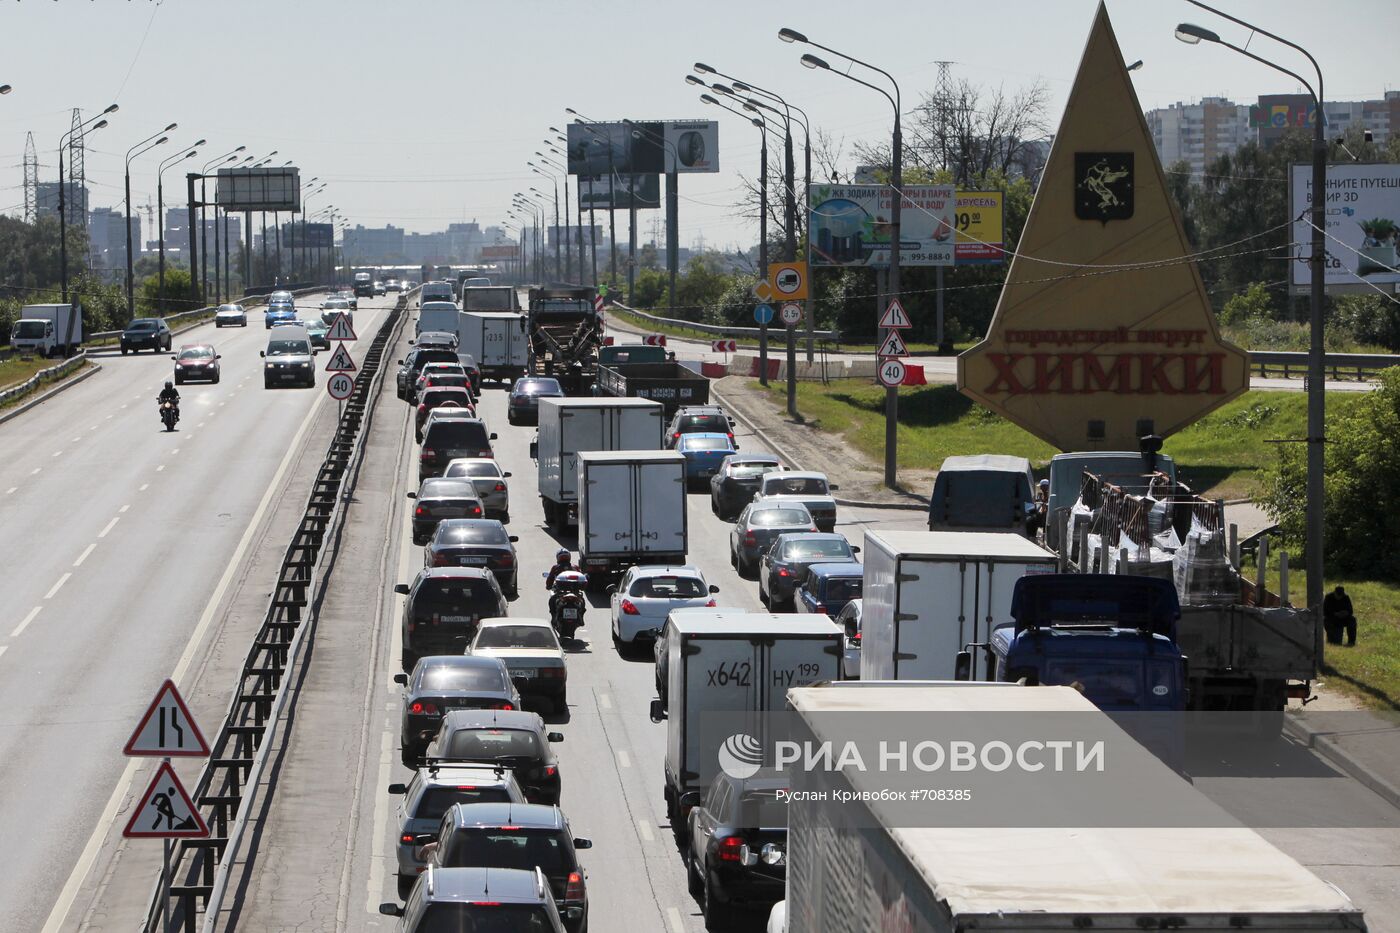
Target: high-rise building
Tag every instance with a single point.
(1198, 134)
(75, 199)
(373, 244)
(107, 239)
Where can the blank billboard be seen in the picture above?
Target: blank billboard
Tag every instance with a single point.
(259, 189)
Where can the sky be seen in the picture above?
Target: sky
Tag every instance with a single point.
(420, 113)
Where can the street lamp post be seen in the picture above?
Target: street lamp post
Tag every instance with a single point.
(130, 274)
(897, 182)
(558, 264)
(1317, 428)
(160, 206)
(96, 123)
(562, 140)
(203, 233)
(568, 252)
(600, 139)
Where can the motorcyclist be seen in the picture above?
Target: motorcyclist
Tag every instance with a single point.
(171, 395)
(563, 561)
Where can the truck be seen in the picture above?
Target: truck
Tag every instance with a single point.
(671, 383)
(565, 334)
(570, 426)
(942, 879)
(743, 664)
(489, 298)
(1130, 469)
(49, 330)
(364, 285)
(927, 594)
(985, 492)
(631, 510)
(440, 316)
(496, 340)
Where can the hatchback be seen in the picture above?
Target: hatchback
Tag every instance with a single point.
(196, 361)
(440, 683)
(645, 596)
(475, 542)
(442, 609)
(440, 498)
(145, 333)
(734, 483)
(737, 845)
(505, 900)
(513, 739)
(699, 419)
(318, 333)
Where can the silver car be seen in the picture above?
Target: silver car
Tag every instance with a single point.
(809, 488)
(231, 316)
(645, 596)
(757, 527)
(490, 482)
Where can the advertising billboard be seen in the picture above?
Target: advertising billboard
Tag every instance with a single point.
(978, 217)
(1363, 213)
(595, 190)
(259, 189)
(498, 253)
(314, 236)
(850, 225)
(645, 147)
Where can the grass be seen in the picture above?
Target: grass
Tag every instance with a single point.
(16, 370)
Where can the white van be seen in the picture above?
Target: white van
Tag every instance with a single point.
(438, 316)
(436, 291)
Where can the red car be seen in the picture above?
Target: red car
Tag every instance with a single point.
(196, 361)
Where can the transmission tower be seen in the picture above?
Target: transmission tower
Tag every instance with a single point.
(943, 110)
(31, 181)
(77, 213)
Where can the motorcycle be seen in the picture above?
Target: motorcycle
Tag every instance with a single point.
(169, 413)
(568, 605)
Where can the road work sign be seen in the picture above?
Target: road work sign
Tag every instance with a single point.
(165, 811)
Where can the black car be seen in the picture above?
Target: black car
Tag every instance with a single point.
(784, 565)
(524, 404)
(475, 542)
(412, 364)
(145, 333)
(736, 853)
(512, 738)
(699, 419)
(439, 499)
(442, 609)
(445, 441)
(442, 683)
(733, 486)
(521, 836)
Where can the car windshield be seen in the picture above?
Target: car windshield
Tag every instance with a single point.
(472, 532)
(484, 917)
(768, 518)
(843, 588)
(287, 348)
(234, 308)
(455, 597)
(706, 443)
(142, 325)
(796, 486)
(669, 588)
(454, 677)
(510, 848)
(516, 636)
(196, 353)
(315, 327)
(473, 468)
(751, 470)
(489, 744)
(30, 329)
(700, 423)
(450, 380)
(438, 800)
(816, 549)
(447, 489)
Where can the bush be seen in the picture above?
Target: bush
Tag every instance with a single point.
(1362, 482)
(1372, 318)
(1254, 303)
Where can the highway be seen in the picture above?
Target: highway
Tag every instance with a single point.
(123, 545)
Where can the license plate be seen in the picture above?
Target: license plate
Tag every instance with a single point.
(456, 618)
(471, 561)
(525, 675)
(568, 613)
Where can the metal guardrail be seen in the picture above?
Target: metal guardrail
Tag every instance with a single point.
(32, 383)
(195, 312)
(1359, 366)
(723, 331)
(227, 787)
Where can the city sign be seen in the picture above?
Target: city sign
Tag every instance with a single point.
(850, 225)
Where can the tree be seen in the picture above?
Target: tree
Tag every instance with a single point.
(1253, 302)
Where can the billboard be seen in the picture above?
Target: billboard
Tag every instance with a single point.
(1363, 213)
(595, 190)
(850, 225)
(313, 236)
(499, 253)
(645, 147)
(259, 189)
(1281, 116)
(978, 218)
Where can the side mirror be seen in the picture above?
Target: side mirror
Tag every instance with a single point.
(962, 666)
(688, 801)
(583, 843)
(612, 588)
(391, 910)
(262, 353)
(833, 486)
(506, 474)
(400, 362)
(493, 435)
(177, 359)
(412, 495)
(657, 711)
(218, 356)
(401, 589)
(401, 680)
(855, 548)
(514, 539)
(398, 788)
(534, 450)
(555, 736)
(713, 588)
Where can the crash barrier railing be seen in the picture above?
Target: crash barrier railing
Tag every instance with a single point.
(775, 331)
(258, 291)
(53, 372)
(179, 316)
(1358, 366)
(232, 778)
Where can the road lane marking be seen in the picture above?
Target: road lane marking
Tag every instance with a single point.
(3, 649)
(110, 526)
(175, 451)
(374, 885)
(108, 418)
(160, 468)
(623, 758)
(35, 471)
(123, 406)
(84, 556)
(58, 453)
(79, 438)
(24, 623)
(673, 914)
(644, 829)
(144, 487)
(123, 509)
(200, 425)
(604, 701)
(61, 580)
(11, 490)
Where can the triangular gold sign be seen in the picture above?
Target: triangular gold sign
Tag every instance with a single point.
(1082, 352)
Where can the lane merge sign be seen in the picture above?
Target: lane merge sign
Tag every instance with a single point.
(891, 373)
(341, 329)
(167, 730)
(340, 386)
(165, 811)
(340, 361)
(894, 316)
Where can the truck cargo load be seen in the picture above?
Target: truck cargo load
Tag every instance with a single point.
(565, 334)
(631, 510)
(569, 426)
(489, 298)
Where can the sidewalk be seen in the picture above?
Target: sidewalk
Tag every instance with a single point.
(1363, 743)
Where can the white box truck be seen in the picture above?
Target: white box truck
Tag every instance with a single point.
(944, 879)
(48, 330)
(497, 341)
(631, 510)
(569, 426)
(928, 594)
(743, 664)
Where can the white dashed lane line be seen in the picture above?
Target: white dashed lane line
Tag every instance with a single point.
(110, 525)
(160, 468)
(11, 490)
(24, 623)
(123, 509)
(144, 487)
(84, 556)
(61, 580)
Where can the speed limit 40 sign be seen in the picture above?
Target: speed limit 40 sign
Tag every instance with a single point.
(340, 386)
(891, 373)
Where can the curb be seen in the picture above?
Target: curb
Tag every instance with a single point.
(66, 384)
(1326, 748)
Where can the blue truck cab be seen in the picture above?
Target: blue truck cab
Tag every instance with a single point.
(1112, 635)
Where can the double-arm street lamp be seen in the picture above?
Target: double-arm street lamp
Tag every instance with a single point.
(96, 123)
(558, 266)
(561, 140)
(150, 142)
(160, 204)
(563, 170)
(605, 141)
(1316, 497)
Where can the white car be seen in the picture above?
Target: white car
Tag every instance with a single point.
(350, 297)
(530, 650)
(490, 482)
(231, 316)
(644, 596)
(809, 488)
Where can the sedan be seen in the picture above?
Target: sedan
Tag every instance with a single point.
(811, 489)
(734, 483)
(434, 398)
(703, 454)
(440, 499)
(437, 380)
(645, 596)
(475, 542)
(785, 564)
(378, 289)
(758, 525)
(279, 314)
(145, 333)
(231, 316)
(436, 338)
(524, 404)
(196, 361)
(440, 683)
(514, 739)
(531, 652)
(490, 482)
(317, 331)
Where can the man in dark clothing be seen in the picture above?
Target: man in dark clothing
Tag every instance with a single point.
(1337, 617)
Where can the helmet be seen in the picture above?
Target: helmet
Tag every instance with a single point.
(169, 384)
(562, 555)
(1045, 484)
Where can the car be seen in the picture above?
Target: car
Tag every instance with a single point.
(828, 587)
(232, 315)
(849, 622)
(288, 358)
(736, 850)
(279, 314)
(452, 368)
(145, 333)
(756, 527)
(645, 596)
(332, 307)
(483, 899)
(809, 488)
(523, 406)
(439, 683)
(449, 439)
(282, 296)
(518, 835)
(490, 482)
(439, 499)
(439, 398)
(393, 285)
(734, 483)
(473, 370)
(703, 455)
(436, 379)
(784, 565)
(475, 542)
(317, 332)
(350, 297)
(514, 739)
(437, 338)
(531, 652)
(436, 291)
(428, 795)
(196, 361)
(412, 364)
(379, 289)
(449, 413)
(699, 419)
(443, 607)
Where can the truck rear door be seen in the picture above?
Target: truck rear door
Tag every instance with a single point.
(720, 675)
(660, 508)
(610, 525)
(798, 662)
(935, 614)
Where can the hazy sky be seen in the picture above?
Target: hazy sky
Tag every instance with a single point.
(423, 112)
